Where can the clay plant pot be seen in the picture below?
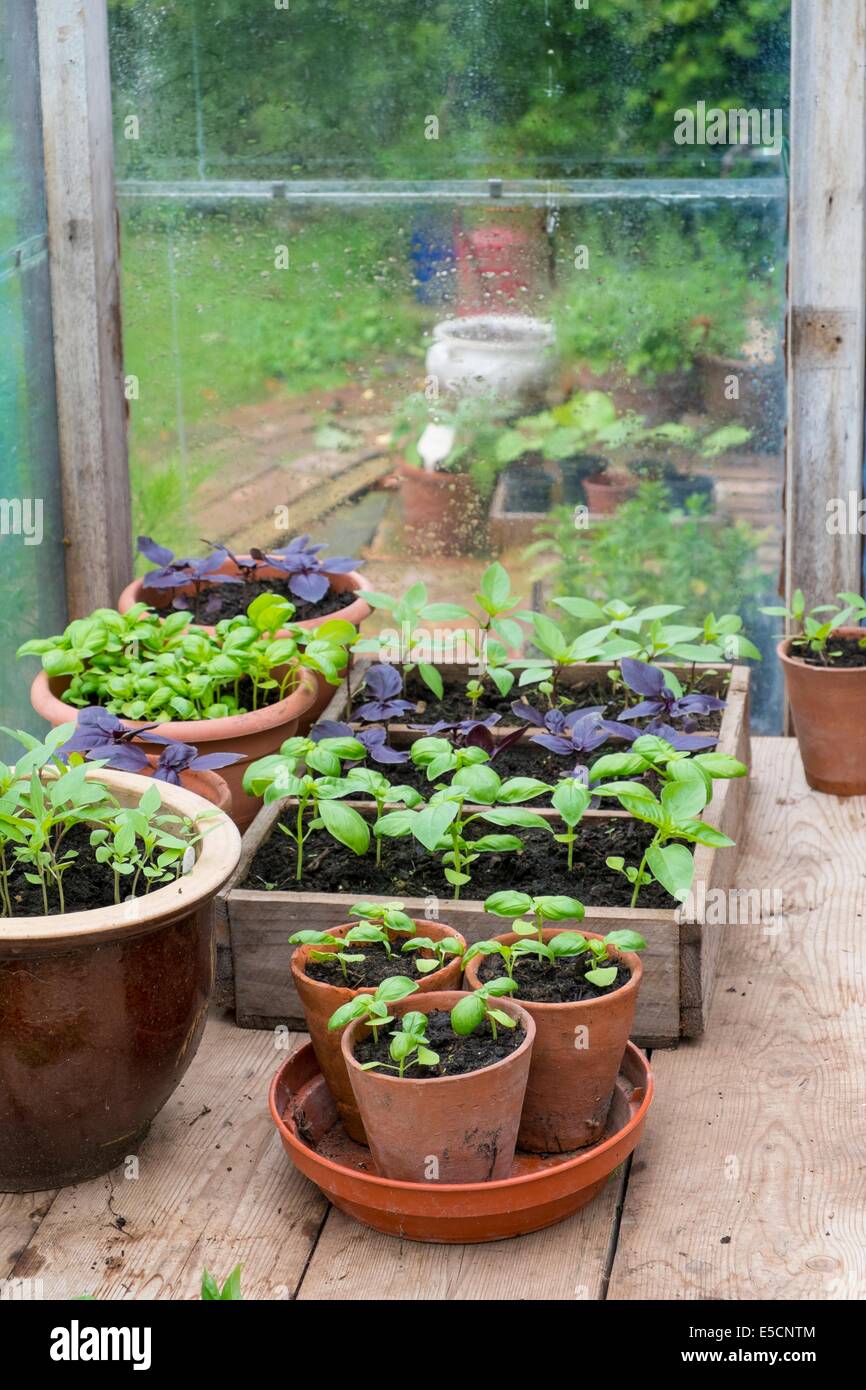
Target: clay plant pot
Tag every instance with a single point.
(538, 1192)
(467, 1124)
(575, 1061)
(253, 735)
(101, 1012)
(442, 512)
(320, 1000)
(354, 612)
(606, 492)
(828, 711)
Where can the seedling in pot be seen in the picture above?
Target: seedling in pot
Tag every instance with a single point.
(384, 686)
(815, 630)
(675, 818)
(318, 806)
(142, 667)
(473, 1009)
(174, 573)
(143, 846)
(309, 575)
(100, 736)
(558, 654)
(441, 952)
(664, 703)
(652, 753)
(441, 825)
(342, 953)
(374, 739)
(409, 614)
(409, 1046)
(547, 908)
(373, 1008)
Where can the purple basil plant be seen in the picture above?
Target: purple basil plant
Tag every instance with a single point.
(474, 733)
(581, 731)
(374, 739)
(174, 573)
(662, 706)
(385, 685)
(101, 736)
(309, 576)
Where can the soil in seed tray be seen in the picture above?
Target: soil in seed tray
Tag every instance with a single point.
(520, 760)
(842, 652)
(408, 871)
(563, 983)
(457, 1056)
(376, 966)
(87, 884)
(236, 598)
(455, 706)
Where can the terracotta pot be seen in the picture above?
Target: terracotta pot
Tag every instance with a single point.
(442, 512)
(576, 1058)
(160, 598)
(607, 491)
(538, 1192)
(828, 709)
(254, 734)
(320, 1000)
(353, 613)
(101, 1013)
(467, 1124)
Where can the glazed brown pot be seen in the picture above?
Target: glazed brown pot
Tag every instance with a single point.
(320, 1000)
(101, 1012)
(442, 512)
(828, 708)
(576, 1058)
(605, 492)
(448, 1129)
(354, 613)
(253, 735)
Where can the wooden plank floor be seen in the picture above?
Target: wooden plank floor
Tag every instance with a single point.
(750, 1182)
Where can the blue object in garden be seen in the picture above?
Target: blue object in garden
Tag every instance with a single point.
(433, 264)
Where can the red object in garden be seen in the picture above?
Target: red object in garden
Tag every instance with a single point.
(499, 267)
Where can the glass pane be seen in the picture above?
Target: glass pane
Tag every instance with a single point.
(31, 527)
(327, 206)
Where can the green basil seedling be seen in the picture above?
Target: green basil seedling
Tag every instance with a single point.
(546, 908)
(441, 951)
(373, 1007)
(471, 1011)
(409, 1046)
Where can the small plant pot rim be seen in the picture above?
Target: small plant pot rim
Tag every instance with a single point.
(787, 657)
(218, 855)
(354, 612)
(46, 699)
(436, 477)
(309, 1157)
(629, 958)
(445, 1000)
(301, 955)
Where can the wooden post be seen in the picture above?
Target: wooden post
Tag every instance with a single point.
(827, 324)
(85, 290)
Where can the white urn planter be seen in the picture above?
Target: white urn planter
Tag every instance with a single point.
(510, 356)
